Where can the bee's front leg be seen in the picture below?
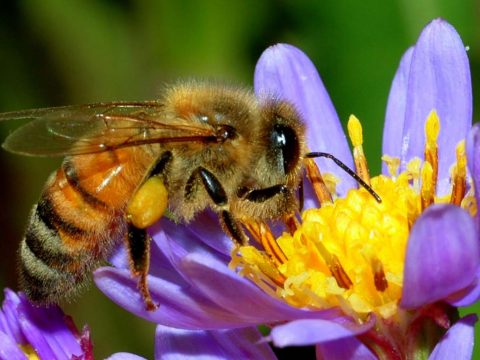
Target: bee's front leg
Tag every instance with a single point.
(262, 195)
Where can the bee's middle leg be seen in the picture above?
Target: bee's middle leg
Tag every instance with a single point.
(217, 193)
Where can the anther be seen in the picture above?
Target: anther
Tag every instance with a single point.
(355, 133)
(338, 272)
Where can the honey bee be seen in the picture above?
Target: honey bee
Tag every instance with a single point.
(199, 146)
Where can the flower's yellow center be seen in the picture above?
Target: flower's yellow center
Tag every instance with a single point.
(350, 252)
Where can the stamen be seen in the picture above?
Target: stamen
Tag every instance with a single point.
(356, 136)
(262, 233)
(333, 264)
(459, 177)
(432, 129)
(427, 192)
(315, 178)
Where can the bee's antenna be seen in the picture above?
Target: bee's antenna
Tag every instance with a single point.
(347, 170)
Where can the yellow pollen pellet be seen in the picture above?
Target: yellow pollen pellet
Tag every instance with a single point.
(148, 204)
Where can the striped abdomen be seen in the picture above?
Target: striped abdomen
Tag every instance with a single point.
(78, 220)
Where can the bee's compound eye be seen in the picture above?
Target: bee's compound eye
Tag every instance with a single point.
(285, 142)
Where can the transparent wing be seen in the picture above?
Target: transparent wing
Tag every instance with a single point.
(83, 129)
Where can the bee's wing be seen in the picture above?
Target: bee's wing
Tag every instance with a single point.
(84, 129)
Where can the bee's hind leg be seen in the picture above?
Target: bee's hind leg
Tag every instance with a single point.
(146, 207)
(138, 244)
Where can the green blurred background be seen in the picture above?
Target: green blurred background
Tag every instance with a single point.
(55, 52)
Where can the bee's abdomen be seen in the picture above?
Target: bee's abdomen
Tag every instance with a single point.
(48, 270)
(78, 220)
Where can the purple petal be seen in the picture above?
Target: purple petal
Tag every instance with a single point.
(172, 344)
(395, 114)
(175, 241)
(9, 316)
(179, 306)
(473, 162)
(119, 258)
(468, 296)
(47, 330)
(442, 257)
(439, 79)
(344, 349)
(286, 72)
(207, 228)
(9, 349)
(314, 331)
(125, 356)
(457, 343)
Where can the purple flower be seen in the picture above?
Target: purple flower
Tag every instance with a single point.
(357, 278)
(27, 332)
